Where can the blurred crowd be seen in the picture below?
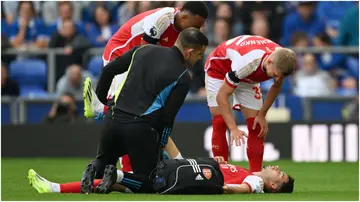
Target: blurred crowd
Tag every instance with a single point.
(78, 26)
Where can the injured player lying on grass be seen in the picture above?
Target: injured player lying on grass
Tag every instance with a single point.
(181, 176)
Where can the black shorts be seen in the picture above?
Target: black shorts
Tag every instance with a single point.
(188, 176)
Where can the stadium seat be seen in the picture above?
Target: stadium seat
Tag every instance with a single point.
(33, 92)
(31, 76)
(94, 66)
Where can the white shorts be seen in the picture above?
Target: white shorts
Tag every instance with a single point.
(115, 82)
(246, 95)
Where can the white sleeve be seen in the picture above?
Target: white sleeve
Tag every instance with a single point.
(255, 183)
(156, 23)
(242, 65)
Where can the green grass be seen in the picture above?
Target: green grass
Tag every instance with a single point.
(313, 181)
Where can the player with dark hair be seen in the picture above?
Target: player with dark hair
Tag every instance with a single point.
(186, 176)
(159, 26)
(143, 112)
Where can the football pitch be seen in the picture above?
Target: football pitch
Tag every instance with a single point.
(313, 181)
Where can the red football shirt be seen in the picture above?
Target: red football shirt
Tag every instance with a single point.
(157, 24)
(242, 55)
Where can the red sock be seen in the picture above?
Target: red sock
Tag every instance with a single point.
(255, 146)
(219, 144)
(105, 109)
(74, 187)
(126, 165)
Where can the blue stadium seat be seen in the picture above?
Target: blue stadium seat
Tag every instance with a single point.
(33, 91)
(31, 76)
(94, 66)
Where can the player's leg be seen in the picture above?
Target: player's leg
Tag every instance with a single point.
(219, 142)
(250, 99)
(109, 150)
(143, 147)
(135, 183)
(43, 185)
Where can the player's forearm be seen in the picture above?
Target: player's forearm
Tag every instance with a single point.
(172, 150)
(270, 99)
(19, 39)
(223, 102)
(236, 189)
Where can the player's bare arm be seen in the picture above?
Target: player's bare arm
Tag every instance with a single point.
(268, 102)
(236, 189)
(222, 99)
(172, 150)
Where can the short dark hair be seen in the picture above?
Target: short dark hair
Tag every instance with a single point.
(196, 8)
(192, 38)
(298, 36)
(287, 187)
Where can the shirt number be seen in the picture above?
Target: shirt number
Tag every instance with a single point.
(258, 93)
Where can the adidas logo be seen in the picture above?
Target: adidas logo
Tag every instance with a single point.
(198, 177)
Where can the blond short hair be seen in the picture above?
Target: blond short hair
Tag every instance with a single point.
(285, 60)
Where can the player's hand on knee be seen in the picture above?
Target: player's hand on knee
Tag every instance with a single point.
(220, 160)
(238, 136)
(261, 120)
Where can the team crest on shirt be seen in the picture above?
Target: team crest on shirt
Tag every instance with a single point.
(153, 31)
(166, 39)
(207, 173)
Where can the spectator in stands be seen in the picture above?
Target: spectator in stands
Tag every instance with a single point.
(247, 12)
(330, 61)
(11, 9)
(312, 81)
(89, 10)
(224, 11)
(349, 28)
(349, 36)
(101, 30)
(299, 40)
(304, 20)
(9, 87)
(260, 27)
(348, 87)
(50, 10)
(72, 81)
(331, 13)
(27, 30)
(74, 45)
(126, 11)
(63, 111)
(221, 31)
(65, 12)
(143, 6)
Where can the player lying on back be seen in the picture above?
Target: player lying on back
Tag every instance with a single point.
(236, 68)
(185, 176)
